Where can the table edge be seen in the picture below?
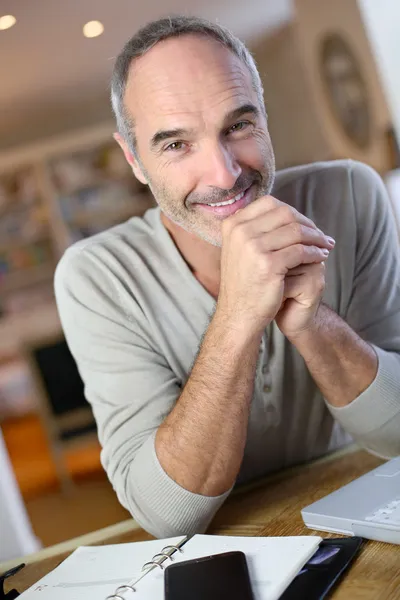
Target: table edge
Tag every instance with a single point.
(86, 539)
(129, 525)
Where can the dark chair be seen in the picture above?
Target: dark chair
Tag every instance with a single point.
(66, 415)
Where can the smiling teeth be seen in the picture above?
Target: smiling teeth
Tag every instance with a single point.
(227, 202)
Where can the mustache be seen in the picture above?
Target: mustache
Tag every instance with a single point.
(243, 182)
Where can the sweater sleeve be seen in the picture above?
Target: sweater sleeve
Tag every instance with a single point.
(373, 419)
(131, 390)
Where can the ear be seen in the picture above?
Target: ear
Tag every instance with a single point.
(132, 161)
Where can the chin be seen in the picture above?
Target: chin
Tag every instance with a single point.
(214, 242)
(211, 237)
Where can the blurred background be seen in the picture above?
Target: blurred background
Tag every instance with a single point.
(331, 72)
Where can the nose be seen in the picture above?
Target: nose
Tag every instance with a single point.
(221, 167)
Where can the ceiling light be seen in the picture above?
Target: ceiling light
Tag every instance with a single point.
(93, 29)
(7, 21)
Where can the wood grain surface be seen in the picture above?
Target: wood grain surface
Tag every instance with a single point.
(272, 508)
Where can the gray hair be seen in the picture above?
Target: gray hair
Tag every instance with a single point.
(149, 36)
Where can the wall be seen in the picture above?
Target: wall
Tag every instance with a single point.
(74, 112)
(302, 124)
(16, 535)
(289, 102)
(382, 22)
(314, 19)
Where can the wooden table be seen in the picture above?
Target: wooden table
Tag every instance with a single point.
(269, 508)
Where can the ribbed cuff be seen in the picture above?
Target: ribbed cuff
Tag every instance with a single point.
(159, 504)
(378, 404)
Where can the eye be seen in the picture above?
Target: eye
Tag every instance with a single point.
(174, 147)
(239, 126)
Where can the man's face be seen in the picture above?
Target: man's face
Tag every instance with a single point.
(202, 136)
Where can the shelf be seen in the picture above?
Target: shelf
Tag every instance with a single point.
(23, 243)
(12, 282)
(104, 217)
(128, 183)
(117, 198)
(18, 330)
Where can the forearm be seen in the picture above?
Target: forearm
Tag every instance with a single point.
(341, 363)
(201, 443)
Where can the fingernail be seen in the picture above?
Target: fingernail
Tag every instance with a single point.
(331, 241)
(325, 252)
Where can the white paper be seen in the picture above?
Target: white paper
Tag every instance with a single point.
(94, 572)
(273, 562)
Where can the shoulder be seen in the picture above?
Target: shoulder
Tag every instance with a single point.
(111, 253)
(323, 188)
(104, 281)
(336, 174)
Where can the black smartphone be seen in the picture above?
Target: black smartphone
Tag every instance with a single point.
(217, 577)
(320, 574)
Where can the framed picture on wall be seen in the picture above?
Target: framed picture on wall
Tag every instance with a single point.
(346, 88)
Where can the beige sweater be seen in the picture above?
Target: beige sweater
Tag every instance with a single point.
(134, 315)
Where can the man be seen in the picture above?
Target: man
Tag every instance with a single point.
(199, 331)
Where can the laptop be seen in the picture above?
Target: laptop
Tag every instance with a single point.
(368, 507)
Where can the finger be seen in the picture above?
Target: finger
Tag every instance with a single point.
(309, 284)
(296, 255)
(273, 213)
(271, 220)
(292, 234)
(281, 216)
(260, 206)
(304, 269)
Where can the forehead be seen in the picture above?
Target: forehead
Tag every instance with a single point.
(186, 78)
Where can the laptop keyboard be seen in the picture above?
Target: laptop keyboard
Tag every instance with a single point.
(388, 514)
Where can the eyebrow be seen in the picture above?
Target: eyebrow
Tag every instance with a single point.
(162, 135)
(245, 109)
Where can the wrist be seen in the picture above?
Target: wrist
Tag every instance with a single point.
(311, 330)
(237, 331)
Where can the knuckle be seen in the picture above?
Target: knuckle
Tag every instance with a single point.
(319, 278)
(265, 265)
(239, 232)
(321, 285)
(230, 227)
(297, 230)
(268, 262)
(256, 249)
(288, 213)
(301, 252)
(259, 258)
(271, 201)
(318, 269)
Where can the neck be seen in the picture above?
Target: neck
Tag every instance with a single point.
(203, 258)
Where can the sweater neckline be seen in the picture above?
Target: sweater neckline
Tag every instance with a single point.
(178, 260)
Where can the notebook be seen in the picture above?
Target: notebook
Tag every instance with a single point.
(135, 571)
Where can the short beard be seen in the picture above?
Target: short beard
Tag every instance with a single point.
(265, 187)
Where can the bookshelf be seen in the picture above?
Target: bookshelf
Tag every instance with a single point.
(52, 194)
(26, 246)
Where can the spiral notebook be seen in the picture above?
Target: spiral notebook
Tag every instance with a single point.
(136, 571)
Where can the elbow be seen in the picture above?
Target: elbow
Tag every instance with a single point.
(167, 517)
(383, 446)
(156, 502)
(161, 528)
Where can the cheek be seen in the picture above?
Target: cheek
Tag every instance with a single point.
(175, 179)
(251, 152)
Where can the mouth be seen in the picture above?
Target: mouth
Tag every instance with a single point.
(228, 207)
